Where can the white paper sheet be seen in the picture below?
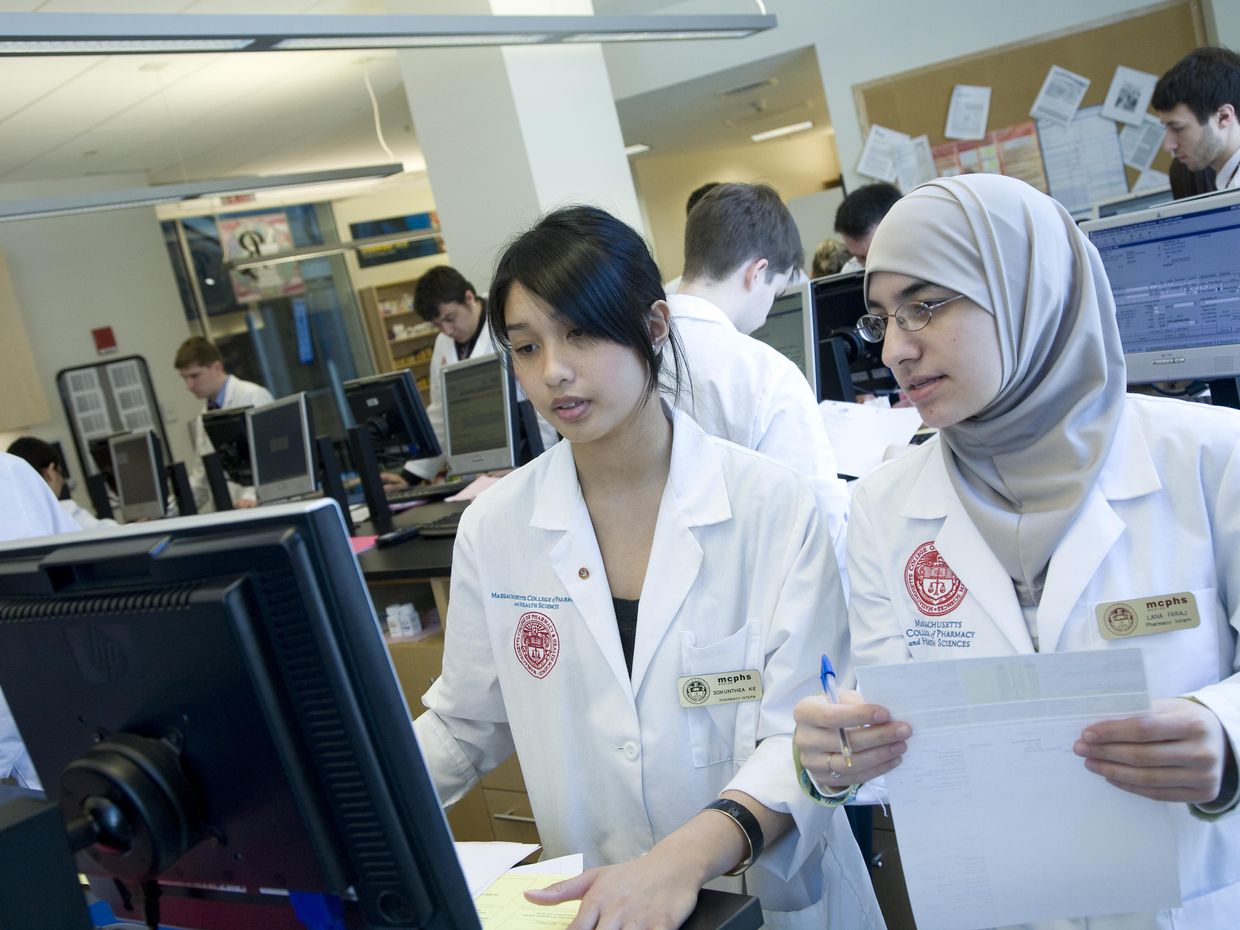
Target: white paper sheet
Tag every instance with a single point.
(860, 434)
(997, 820)
(968, 112)
(1141, 143)
(482, 863)
(1151, 180)
(561, 865)
(1060, 96)
(878, 159)
(914, 163)
(1129, 95)
(1083, 160)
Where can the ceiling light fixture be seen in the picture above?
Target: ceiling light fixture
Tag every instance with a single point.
(637, 148)
(782, 131)
(97, 201)
(142, 33)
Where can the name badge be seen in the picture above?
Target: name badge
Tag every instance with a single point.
(719, 688)
(1143, 616)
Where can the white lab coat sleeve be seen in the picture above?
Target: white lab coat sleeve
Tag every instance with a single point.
(874, 628)
(809, 619)
(428, 468)
(1223, 698)
(792, 432)
(198, 472)
(464, 732)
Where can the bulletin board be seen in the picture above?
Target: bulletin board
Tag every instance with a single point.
(1151, 40)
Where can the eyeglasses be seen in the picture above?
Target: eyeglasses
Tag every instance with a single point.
(910, 317)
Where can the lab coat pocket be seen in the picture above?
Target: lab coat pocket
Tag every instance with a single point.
(722, 732)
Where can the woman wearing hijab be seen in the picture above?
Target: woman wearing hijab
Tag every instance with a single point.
(1048, 495)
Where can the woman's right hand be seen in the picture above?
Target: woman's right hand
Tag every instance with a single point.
(877, 742)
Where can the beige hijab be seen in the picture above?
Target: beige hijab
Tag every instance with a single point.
(1024, 465)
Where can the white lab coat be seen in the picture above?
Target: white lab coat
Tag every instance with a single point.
(741, 576)
(444, 353)
(1163, 518)
(27, 509)
(83, 517)
(747, 392)
(237, 393)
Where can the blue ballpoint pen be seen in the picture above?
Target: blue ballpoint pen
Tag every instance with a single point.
(827, 677)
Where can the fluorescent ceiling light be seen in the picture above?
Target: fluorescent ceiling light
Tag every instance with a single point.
(141, 33)
(97, 201)
(637, 148)
(782, 131)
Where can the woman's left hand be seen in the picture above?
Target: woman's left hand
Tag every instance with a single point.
(1176, 752)
(641, 894)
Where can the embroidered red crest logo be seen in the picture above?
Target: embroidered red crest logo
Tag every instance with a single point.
(537, 643)
(931, 583)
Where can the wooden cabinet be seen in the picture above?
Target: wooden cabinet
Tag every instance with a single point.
(399, 337)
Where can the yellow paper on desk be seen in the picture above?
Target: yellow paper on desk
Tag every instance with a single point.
(503, 906)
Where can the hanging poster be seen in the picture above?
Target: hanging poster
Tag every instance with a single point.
(249, 237)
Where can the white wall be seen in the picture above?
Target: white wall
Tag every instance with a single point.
(74, 274)
(860, 44)
(794, 166)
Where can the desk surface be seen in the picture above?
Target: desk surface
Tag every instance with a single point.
(414, 558)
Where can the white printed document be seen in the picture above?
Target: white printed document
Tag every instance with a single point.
(997, 819)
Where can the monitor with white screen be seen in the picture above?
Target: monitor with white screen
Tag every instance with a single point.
(139, 470)
(1131, 202)
(1175, 274)
(281, 449)
(789, 329)
(478, 415)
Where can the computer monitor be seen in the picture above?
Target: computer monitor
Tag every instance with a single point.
(1131, 202)
(390, 407)
(226, 676)
(479, 415)
(839, 301)
(1175, 275)
(138, 466)
(790, 329)
(229, 437)
(281, 449)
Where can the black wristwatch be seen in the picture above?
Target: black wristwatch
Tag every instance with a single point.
(749, 826)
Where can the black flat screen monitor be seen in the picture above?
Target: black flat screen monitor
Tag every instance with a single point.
(1175, 274)
(281, 449)
(138, 466)
(227, 431)
(226, 674)
(790, 329)
(391, 409)
(839, 301)
(101, 456)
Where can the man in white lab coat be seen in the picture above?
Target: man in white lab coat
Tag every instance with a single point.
(741, 250)
(29, 510)
(201, 367)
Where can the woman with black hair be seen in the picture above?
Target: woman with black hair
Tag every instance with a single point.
(636, 612)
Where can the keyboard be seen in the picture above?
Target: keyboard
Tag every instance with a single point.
(440, 526)
(427, 492)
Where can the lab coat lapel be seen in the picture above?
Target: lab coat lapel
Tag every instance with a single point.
(965, 551)
(562, 509)
(695, 495)
(1129, 472)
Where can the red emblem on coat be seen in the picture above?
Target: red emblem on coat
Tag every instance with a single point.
(537, 643)
(931, 583)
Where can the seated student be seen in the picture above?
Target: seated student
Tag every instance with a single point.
(1047, 493)
(858, 215)
(29, 510)
(588, 584)
(201, 367)
(443, 297)
(741, 250)
(42, 458)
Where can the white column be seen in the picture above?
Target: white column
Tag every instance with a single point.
(510, 133)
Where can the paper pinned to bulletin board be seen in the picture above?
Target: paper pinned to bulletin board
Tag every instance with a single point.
(1012, 150)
